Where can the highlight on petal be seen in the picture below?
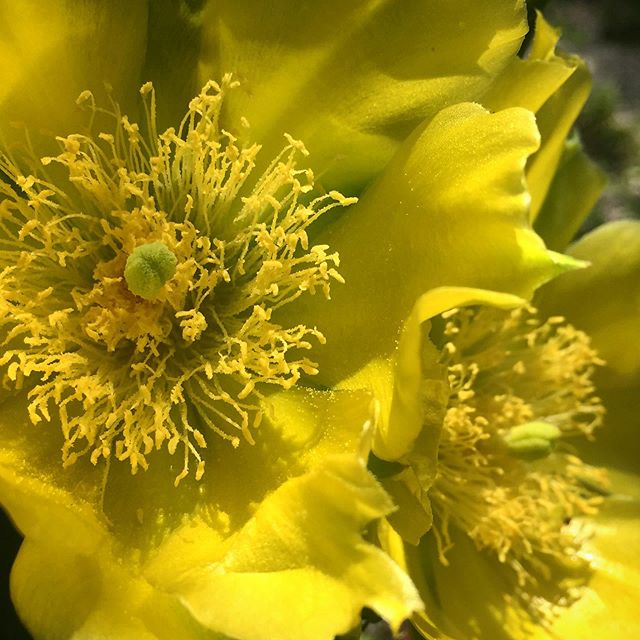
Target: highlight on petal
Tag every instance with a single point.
(449, 210)
(318, 71)
(301, 564)
(42, 69)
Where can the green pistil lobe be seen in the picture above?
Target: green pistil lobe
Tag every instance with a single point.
(532, 440)
(148, 269)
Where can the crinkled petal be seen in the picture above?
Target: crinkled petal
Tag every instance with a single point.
(67, 582)
(318, 70)
(301, 563)
(300, 429)
(530, 82)
(128, 555)
(558, 114)
(554, 86)
(51, 51)
(449, 210)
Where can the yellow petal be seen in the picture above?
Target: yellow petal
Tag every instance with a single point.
(463, 600)
(301, 564)
(171, 61)
(449, 210)
(555, 87)
(574, 191)
(396, 434)
(159, 532)
(67, 582)
(51, 51)
(609, 606)
(604, 300)
(556, 117)
(318, 72)
(413, 516)
(412, 392)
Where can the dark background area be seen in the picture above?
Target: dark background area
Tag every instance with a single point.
(607, 35)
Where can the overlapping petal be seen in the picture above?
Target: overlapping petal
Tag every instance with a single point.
(604, 300)
(554, 86)
(149, 552)
(413, 392)
(354, 79)
(303, 546)
(450, 210)
(558, 114)
(282, 521)
(68, 582)
(575, 189)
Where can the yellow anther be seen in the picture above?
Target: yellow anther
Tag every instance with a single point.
(163, 219)
(518, 385)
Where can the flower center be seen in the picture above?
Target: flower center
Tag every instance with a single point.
(148, 268)
(507, 475)
(137, 289)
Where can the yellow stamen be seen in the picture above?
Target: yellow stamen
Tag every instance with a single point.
(518, 386)
(136, 295)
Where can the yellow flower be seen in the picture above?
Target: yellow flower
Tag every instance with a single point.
(483, 408)
(603, 301)
(183, 453)
(138, 298)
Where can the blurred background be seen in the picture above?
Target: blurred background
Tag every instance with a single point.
(607, 35)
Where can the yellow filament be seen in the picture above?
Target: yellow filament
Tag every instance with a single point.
(125, 375)
(512, 374)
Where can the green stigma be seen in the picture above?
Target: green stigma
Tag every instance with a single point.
(149, 268)
(532, 440)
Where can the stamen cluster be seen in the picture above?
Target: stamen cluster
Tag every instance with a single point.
(125, 375)
(511, 373)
